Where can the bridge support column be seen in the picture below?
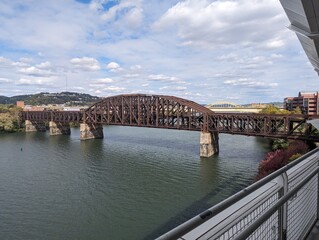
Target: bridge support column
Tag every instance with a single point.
(90, 131)
(59, 128)
(34, 126)
(208, 144)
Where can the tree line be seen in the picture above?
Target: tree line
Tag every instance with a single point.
(9, 118)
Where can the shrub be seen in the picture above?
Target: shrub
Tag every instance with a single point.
(272, 162)
(280, 157)
(297, 147)
(280, 144)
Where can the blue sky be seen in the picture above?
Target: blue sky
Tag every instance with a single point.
(204, 50)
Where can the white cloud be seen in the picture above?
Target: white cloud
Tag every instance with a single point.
(222, 22)
(96, 5)
(134, 17)
(25, 60)
(27, 26)
(34, 71)
(113, 89)
(101, 82)
(275, 43)
(131, 75)
(275, 55)
(3, 60)
(204, 45)
(172, 89)
(128, 10)
(250, 83)
(163, 78)
(44, 65)
(20, 64)
(5, 80)
(86, 63)
(246, 62)
(104, 80)
(136, 67)
(114, 67)
(77, 88)
(34, 81)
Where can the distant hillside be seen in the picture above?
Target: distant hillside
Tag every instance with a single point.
(4, 100)
(277, 104)
(67, 98)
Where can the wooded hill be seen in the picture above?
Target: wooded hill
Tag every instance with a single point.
(44, 98)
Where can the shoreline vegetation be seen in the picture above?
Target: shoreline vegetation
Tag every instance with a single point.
(9, 119)
(283, 151)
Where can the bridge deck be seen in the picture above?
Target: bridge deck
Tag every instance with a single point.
(158, 111)
(273, 126)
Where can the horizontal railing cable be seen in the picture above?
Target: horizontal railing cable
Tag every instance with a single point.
(249, 230)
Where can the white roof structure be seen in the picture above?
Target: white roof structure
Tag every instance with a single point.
(304, 18)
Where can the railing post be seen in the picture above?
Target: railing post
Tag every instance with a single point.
(282, 212)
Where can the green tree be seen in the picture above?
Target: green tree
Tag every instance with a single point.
(270, 109)
(280, 144)
(297, 110)
(9, 118)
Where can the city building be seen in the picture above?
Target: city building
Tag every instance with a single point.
(20, 104)
(306, 101)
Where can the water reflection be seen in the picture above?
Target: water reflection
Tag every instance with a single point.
(134, 184)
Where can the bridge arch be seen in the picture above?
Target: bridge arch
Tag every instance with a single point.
(144, 110)
(159, 111)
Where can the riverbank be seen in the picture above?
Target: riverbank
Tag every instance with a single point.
(284, 152)
(9, 119)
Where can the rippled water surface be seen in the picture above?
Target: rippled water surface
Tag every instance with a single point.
(136, 183)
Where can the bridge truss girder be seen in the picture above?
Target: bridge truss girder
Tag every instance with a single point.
(148, 111)
(270, 125)
(170, 112)
(55, 116)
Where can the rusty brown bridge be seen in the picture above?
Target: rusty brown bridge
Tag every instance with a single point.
(158, 111)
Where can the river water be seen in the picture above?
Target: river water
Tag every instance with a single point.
(136, 183)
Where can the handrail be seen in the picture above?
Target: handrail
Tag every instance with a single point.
(273, 209)
(213, 211)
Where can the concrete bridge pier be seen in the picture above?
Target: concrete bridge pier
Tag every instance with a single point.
(90, 131)
(209, 144)
(34, 126)
(57, 128)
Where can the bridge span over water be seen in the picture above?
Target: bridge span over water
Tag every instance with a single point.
(159, 111)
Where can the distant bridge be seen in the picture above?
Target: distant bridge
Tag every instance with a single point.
(158, 111)
(234, 108)
(224, 104)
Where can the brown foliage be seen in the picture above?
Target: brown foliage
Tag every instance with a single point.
(279, 158)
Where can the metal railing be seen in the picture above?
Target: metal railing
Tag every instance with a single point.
(283, 205)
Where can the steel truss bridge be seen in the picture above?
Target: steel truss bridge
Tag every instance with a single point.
(158, 111)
